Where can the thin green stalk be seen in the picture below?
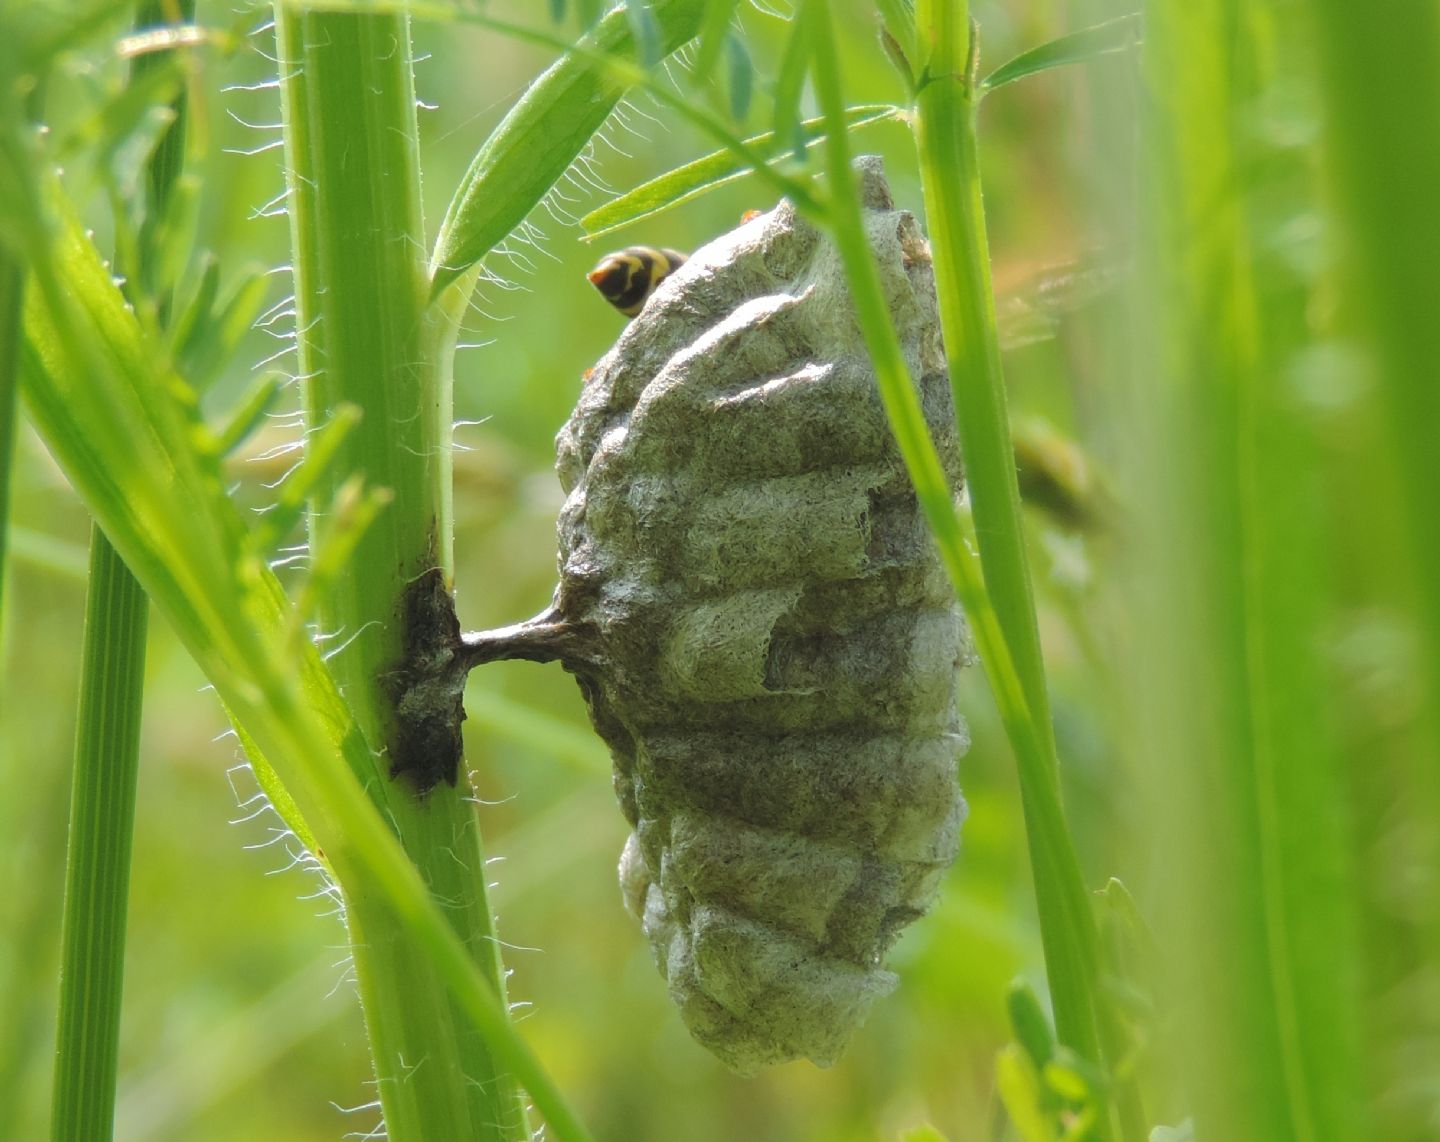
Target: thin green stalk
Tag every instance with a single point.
(946, 112)
(97, 867)
(367, 339)
(949, 172)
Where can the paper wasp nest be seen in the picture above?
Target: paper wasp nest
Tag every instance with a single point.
(777, 640)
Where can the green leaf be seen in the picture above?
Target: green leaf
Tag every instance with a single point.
(257, 399)
(705, 174)
(741, 76)
(322, 449)
(40, 32)
(348, 516)
(192, 326)
(557, 11)
(898, 18)
(142, 104)
(1030, 1023)
(541, 136)
(1018, 1085)
(714, 33)
(1067, 1082)
(1118, 35)
(790, 85)
(897, 36)
(1122, 915)
(206, 336)
(168, 234)
(644, 31)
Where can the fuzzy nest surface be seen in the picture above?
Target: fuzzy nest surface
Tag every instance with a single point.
(779, 641)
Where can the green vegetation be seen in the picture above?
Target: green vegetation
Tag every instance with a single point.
(1196, 894)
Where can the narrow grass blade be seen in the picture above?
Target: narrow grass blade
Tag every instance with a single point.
(322, 452)
(140, 106)
(1030, 1024)
(1068, 927)
(211, 328)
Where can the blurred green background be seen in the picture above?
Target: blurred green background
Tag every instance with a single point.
(240, 1019)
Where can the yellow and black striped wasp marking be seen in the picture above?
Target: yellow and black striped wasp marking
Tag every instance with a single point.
(629, 276)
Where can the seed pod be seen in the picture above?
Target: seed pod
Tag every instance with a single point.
(777, 641)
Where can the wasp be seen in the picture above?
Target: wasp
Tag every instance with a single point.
(629, 276)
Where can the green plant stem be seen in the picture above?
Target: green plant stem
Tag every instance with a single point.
(1012, 662)
(366, 338)
(946, 136)
(97, 867)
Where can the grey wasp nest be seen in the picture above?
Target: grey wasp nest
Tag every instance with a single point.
(760, 626)
(774, 641)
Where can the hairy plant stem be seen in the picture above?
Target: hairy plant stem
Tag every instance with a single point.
(368, 338)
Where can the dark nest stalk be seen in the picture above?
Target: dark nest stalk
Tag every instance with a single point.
(426, 690)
